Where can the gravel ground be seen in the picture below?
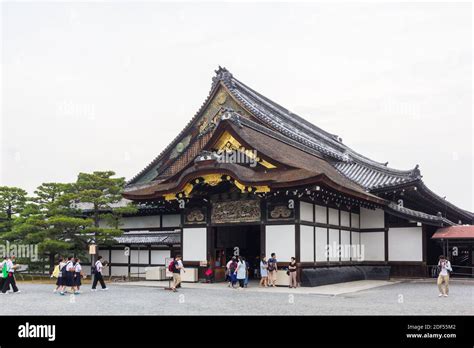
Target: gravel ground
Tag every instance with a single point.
(406, 298)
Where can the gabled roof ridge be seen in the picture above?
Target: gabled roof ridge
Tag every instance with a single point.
(392, 206)
(280, 108)
(415, 172)
(445, 201)
(330, 139)
(282, 137)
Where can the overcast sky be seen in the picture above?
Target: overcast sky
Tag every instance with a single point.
(107, 86)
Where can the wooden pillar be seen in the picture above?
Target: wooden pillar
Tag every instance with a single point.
(210, 236)
(129, 260)
(110, 261)
(262, 240)
(149, 255)
(297, 242)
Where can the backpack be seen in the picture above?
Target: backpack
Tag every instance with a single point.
(55, 273)
(271, 266)
(171, 266)
(4, 271)
(233, 267)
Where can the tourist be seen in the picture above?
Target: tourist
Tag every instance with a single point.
(272, 270)
(247, 269)
(77, 275)
(292, 273)
(241, 272)
(3, 265)
(97, 270)
(177, 266)
(444, 267)
(264, 272)
(209, 273)
(8, 273)
(256, 267)
(230, 269)
(67, 275)
(57, 273)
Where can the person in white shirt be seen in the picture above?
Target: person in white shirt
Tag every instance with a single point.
(443, 277)
(10, 280)
(98, 266)
(77, 276)
(177, 266)
(67, 275)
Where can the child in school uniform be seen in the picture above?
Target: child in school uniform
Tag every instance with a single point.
(67, 275)
(77, 276)
(58, 274)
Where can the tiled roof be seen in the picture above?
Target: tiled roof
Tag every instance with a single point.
(362, 170)
(155, 238)
(455, 232)
(416, 215)
(372, 176)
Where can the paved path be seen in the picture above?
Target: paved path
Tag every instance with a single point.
(402, 298)
(335, 289)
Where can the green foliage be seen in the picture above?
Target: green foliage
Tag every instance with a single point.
(55, 218)
(103, 194)
(12, 202)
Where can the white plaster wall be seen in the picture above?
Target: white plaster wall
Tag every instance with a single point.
(280, 239)
(118, 256)
(405, 244)
(355, 220)
(334, 243)
(373, 246)
(333, 216)
(306, 211)
(143, 256)
(321, 214)
(345, 218)
(171, 220)
(307, 243)
(355, 241)
(321, 242)
(346, 245)
(158, 256)
(371, 218)
(194, 244)
(140, 222)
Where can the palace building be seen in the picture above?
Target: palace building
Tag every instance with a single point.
(246, 176)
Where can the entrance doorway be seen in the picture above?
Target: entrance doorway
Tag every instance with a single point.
(243, 240)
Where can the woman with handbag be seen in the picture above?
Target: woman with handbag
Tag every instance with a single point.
(292, 273)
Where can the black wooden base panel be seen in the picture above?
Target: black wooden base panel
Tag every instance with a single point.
(332, 275)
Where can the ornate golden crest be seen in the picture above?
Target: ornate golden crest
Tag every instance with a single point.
(221, 98)
(280, 211)
(236, 211)
(195, 215)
